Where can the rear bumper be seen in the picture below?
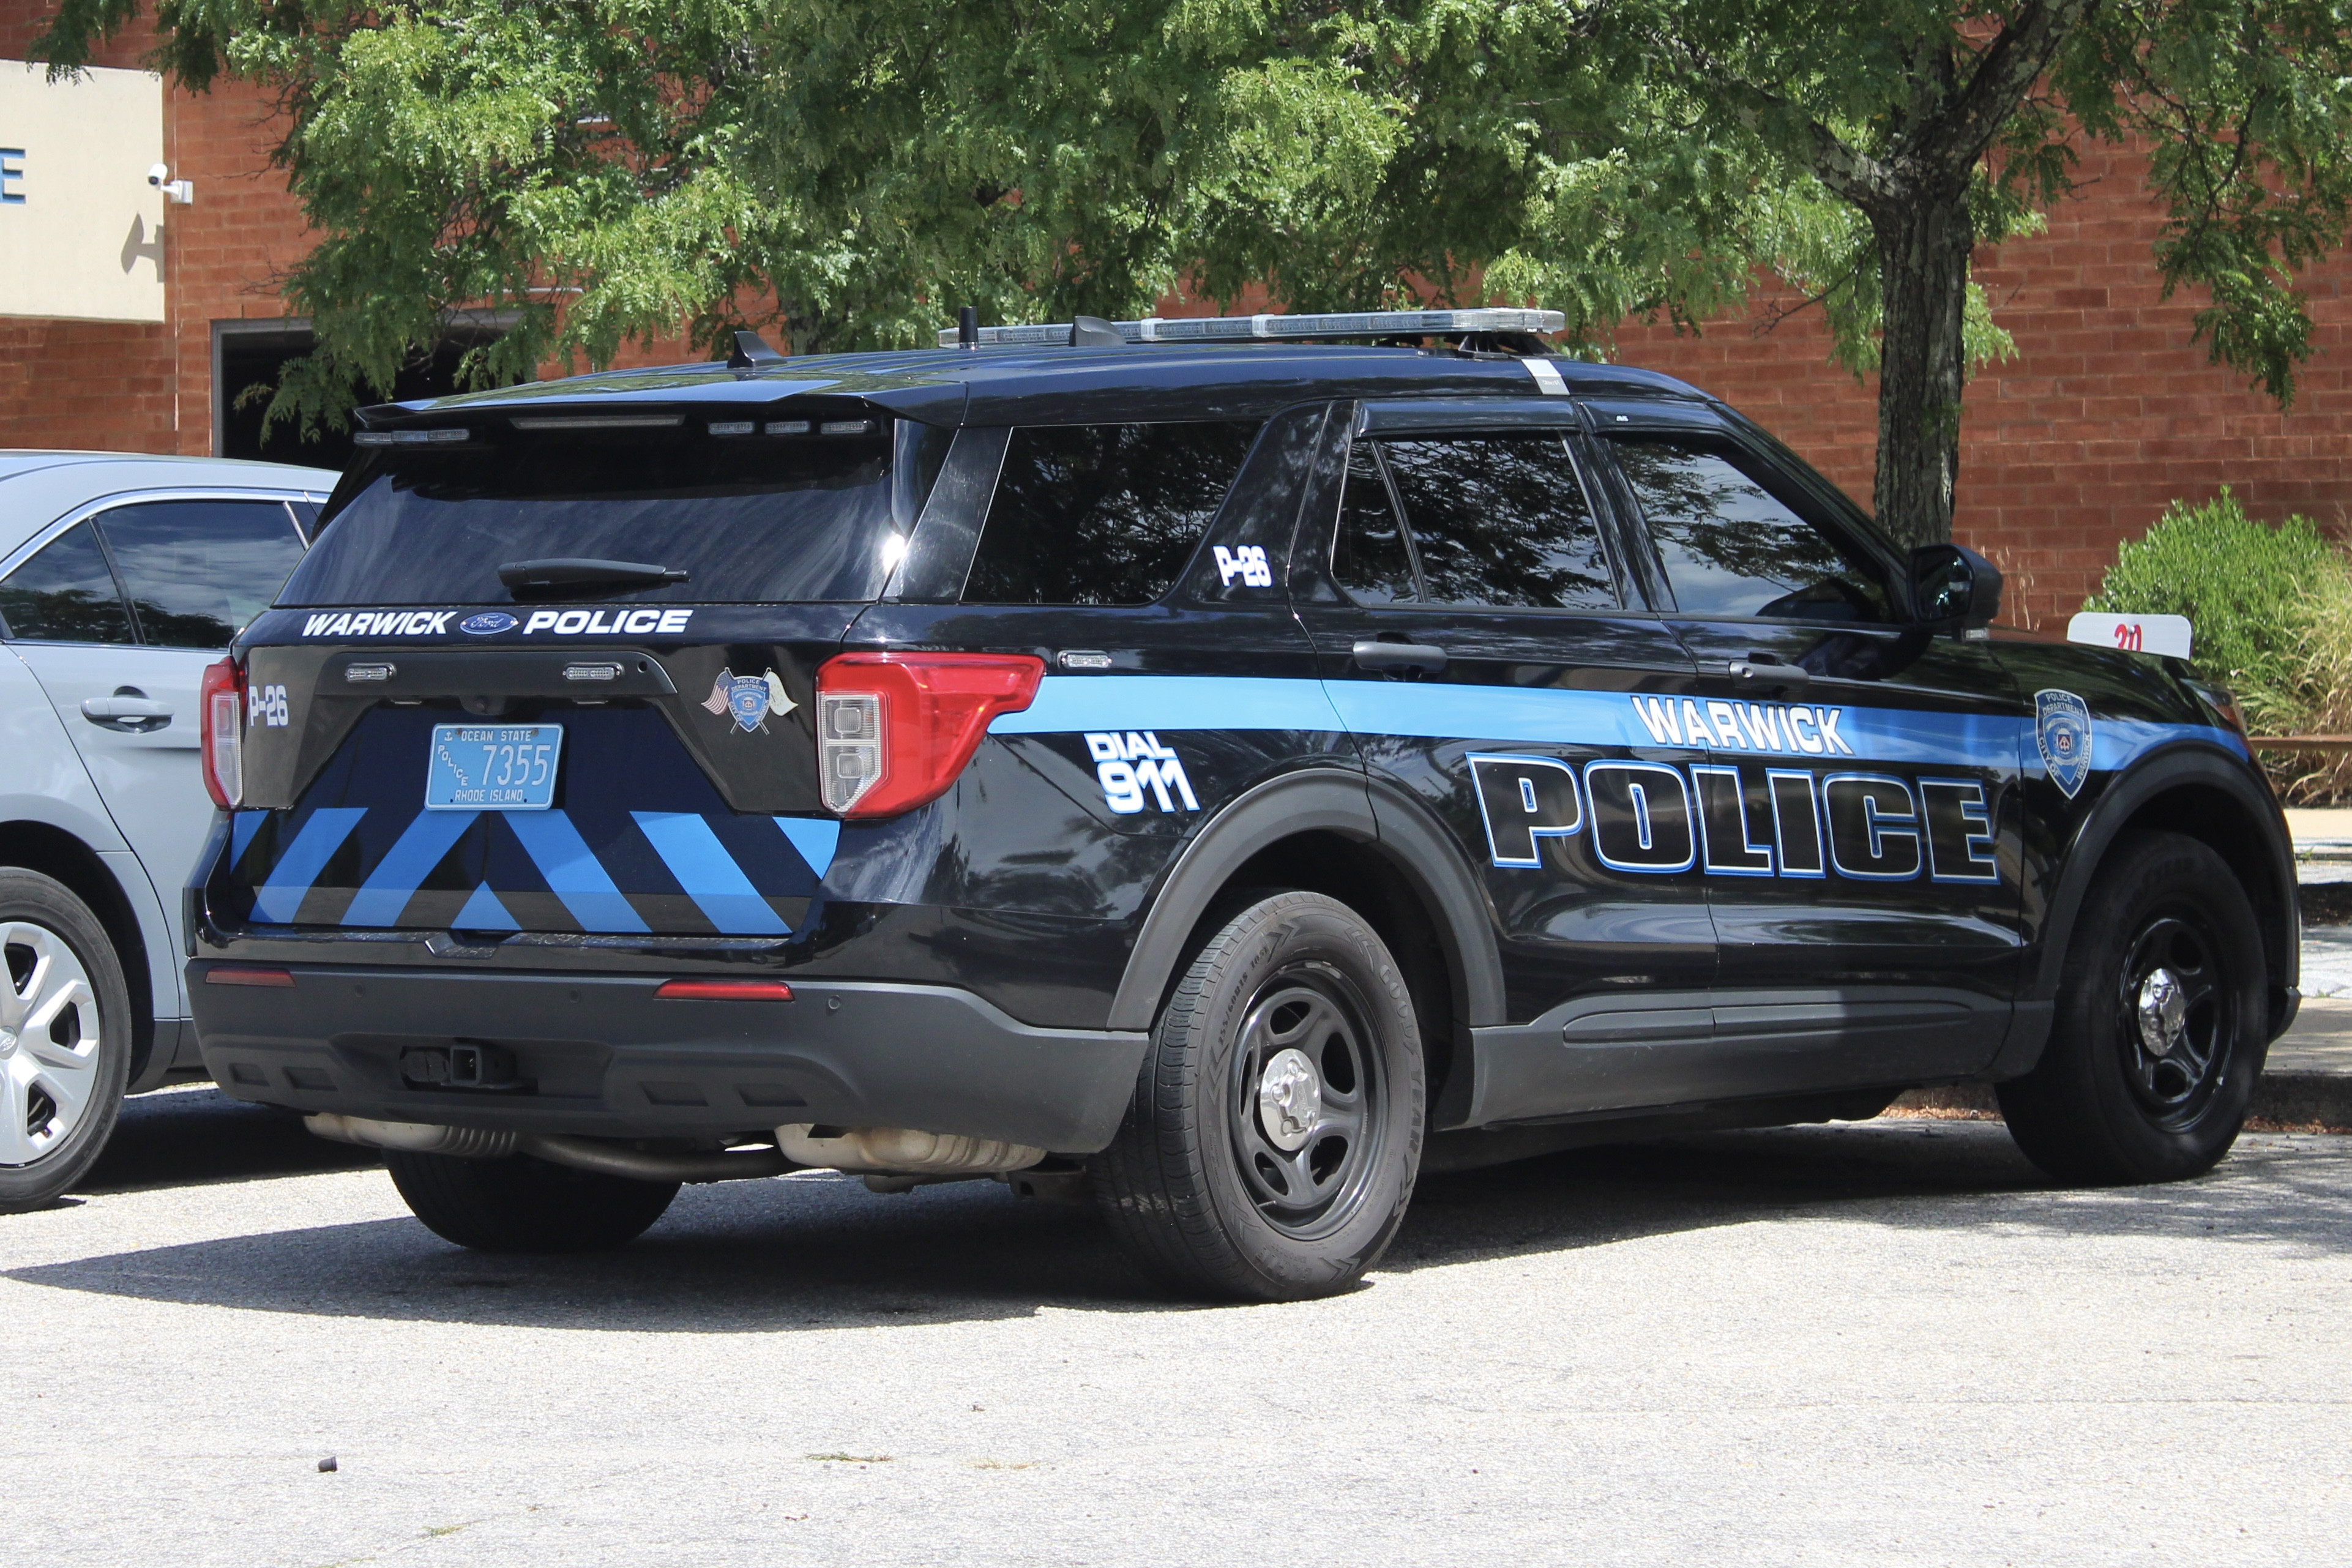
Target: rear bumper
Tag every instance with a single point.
(599, 1055)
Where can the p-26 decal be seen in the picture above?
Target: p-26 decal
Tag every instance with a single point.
(1658, 818)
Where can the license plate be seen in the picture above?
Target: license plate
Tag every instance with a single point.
(492, 767)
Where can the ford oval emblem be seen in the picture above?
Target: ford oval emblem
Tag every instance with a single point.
(489, 623)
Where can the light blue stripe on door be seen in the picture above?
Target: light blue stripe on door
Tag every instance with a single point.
(573, 873)
(406, 866)
(708, 874)
(277, 899)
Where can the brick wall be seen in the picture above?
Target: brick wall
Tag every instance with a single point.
(145, 387)
(2107, 413)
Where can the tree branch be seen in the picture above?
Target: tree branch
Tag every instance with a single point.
(1959, 133)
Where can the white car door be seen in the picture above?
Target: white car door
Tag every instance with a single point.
(118, 617)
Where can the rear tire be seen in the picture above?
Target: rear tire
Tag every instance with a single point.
(523, 1204)
(1271, 1147)
(2160, 1037)
(65, 1039)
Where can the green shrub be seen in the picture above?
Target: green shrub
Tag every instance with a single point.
(2252, 594)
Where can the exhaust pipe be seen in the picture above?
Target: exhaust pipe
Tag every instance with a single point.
(902, 1152)
(891, 1159)
(581, 1153)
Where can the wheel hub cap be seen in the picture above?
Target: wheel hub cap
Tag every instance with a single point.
(1289, 1100)
(50, 1042)
(2163, 1012)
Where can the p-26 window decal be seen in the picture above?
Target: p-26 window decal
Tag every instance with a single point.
(1658, 819)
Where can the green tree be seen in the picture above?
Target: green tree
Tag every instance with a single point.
(598, 170)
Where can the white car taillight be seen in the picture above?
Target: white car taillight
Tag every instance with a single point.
(894, 730)
(222, 706)
(849, 746)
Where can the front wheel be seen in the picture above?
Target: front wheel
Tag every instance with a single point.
(2158, 1035)
(1270, 1150)
(65, 1039)
(523, 1204)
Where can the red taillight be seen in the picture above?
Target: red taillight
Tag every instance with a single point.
(894, 728)
(724, 991)
(232, 975)
(221, 708)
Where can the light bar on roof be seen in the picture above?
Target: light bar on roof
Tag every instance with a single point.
(1284, 327)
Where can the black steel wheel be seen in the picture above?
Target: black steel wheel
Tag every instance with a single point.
(1271, 1147)
(1303, 1088)
(2159, 1032)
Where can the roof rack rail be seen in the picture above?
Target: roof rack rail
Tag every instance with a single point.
(1277, 329)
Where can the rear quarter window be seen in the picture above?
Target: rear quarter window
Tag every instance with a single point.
(1102, 514)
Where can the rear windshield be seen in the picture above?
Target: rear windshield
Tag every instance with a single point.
(756, 519)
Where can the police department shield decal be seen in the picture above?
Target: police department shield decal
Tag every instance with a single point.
(2062, 726)
(747, 698)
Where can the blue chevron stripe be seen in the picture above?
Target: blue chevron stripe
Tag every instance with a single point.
(573, 873)
(815, 837)
(708, 874)
(241, 829)
(406, 866)
(298, 870)
(484, 913)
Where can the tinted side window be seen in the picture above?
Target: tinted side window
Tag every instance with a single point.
(1102, 514)
(1371, 559)
(1500, 521)
(1732, 548)
(64, 593)
(197, 570)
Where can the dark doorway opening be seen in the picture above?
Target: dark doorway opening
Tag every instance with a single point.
(248, 355)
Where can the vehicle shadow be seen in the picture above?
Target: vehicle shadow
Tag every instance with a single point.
(815, 1250)
(188, 1137)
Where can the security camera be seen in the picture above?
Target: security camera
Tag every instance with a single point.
(183, 192)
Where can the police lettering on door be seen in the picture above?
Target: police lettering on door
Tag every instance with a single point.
(1736, 819)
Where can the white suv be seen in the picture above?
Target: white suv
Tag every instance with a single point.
(122, 578)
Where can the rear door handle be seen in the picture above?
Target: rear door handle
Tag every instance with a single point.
(1765, 673)
(1399, 656)
(129, 711)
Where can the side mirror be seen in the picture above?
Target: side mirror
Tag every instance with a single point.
(1952, 585)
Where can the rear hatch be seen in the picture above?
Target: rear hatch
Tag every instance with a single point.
(554, 673)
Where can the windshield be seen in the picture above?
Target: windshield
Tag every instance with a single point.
(750, 519)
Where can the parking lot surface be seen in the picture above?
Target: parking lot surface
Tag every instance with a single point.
(1864, 1344)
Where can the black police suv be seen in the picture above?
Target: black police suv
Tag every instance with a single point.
(1222, 775)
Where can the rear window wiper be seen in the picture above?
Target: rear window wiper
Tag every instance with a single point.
(573, 574)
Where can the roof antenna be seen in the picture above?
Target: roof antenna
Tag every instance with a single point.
(968, 328)
(1094, 332)
(752, 352)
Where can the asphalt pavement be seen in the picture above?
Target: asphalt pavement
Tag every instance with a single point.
(1870, 1343)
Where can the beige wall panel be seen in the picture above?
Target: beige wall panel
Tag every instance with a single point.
(80, 229)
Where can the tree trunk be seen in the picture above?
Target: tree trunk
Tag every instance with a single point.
(1922, 267)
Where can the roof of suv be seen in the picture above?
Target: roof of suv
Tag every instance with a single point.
(1054, 386)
